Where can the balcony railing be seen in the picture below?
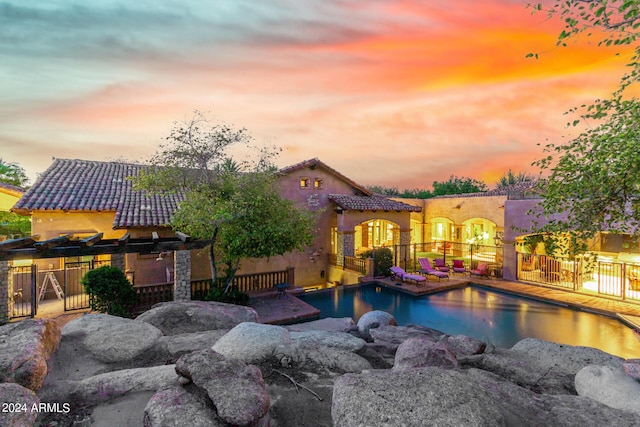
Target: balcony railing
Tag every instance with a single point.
(355, 264)
(612, 279)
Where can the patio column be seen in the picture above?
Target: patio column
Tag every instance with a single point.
(509, 260)
(6, 290)
(346, 246)
(117, 260)
(182, 275)
(404, 242)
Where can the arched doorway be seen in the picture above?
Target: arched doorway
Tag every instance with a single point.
(375, 233)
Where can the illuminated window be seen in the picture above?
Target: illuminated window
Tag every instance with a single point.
(318, 184)
(304, 182)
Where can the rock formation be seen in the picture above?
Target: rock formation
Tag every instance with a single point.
(322, 373)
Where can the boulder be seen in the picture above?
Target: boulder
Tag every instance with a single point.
(434, 396)
(610, 386)
(181, 317)
(393, 336)
(175, 406)
(544, 367)
(112, 339)
(252, 342)
(16, 405)
(375, 319)
(342, 324)
(237, 390)
(340, 340)
(25, 348)
(110, 385)
(420, 352)
(462, 345)
(177, 345)
(332, 359)
(632, 368)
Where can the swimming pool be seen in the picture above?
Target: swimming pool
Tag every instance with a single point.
(494, 317)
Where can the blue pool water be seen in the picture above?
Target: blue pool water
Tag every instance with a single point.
(496, 318)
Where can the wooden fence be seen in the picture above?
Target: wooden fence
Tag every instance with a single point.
(148, 295)
(247, 282)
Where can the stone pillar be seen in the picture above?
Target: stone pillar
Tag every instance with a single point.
(117, 260)
(182, 275)
(6, 291)
(346, 246)
(404, 241)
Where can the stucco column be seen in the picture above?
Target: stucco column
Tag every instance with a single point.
(346, 246)
(509, 261)
(117, 260)
(182, 275)
(6, 289)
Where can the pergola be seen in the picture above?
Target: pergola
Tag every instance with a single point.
(66, 246)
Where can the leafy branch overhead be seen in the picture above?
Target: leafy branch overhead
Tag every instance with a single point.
(593, 180)
(236, 204)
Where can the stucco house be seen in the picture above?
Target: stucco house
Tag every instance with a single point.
(82, 198)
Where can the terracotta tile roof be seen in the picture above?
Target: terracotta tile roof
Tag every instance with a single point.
(82, 185)
(371, 203)
(11, 188)
(315, 162)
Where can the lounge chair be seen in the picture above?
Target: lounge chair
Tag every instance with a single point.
(404, 276)
(427, 269)
(440, 265)
(481, 270)
(458, 266)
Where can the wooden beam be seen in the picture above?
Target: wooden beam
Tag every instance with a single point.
(48, 244)
(124, 239)
(19, 243)
(184, 237)
(103, 247)
(90, 241)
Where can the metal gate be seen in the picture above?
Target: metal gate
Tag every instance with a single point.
(74, 296)
(24, 298)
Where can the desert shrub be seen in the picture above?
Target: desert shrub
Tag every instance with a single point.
(233, 296)
(109, 291)
(382, 260)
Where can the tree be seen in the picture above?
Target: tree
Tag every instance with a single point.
(510, 178)
(234, 204)
(456, 185)
(416, 193)
(594, 180)
(12, 173)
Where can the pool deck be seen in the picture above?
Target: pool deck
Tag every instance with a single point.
(289, 309)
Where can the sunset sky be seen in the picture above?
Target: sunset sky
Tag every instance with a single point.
(395, 93)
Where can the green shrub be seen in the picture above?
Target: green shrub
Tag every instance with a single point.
(109, 291)
(382, 260)
(234, 296)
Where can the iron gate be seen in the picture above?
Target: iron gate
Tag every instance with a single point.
(24, 296)
(74, 296)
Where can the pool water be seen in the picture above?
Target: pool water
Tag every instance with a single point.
(494, 317)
